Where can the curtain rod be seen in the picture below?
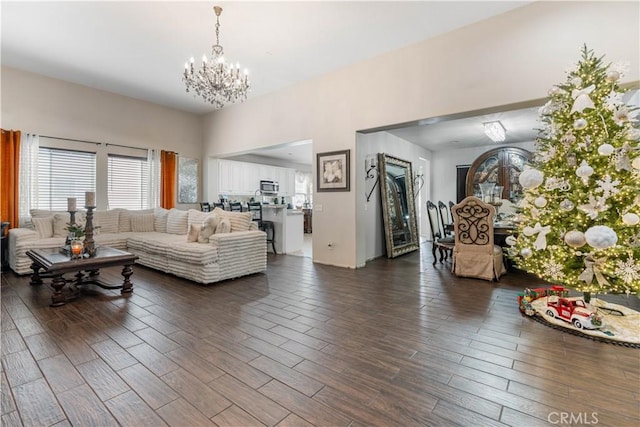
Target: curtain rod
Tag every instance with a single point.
(97, 143)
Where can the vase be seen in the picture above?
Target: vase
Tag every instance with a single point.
(486, 191)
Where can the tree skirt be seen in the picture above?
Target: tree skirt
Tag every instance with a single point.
(620, 324)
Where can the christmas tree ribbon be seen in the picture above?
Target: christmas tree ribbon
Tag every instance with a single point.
(593, 267)
(541, 240)
(581, 99)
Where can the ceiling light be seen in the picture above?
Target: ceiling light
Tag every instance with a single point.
(217, 82)
(495, 131)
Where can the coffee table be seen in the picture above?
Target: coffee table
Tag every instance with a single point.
(52, 263)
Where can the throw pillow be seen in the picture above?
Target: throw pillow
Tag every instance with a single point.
(124, 221)
(209, 226)
(240, 221)
(224, 226)
(194, 231)
(196, 217)
(160, 219)
(107, 221)
(61, 222)
(177, 222)
(142, 223)
(43, 226)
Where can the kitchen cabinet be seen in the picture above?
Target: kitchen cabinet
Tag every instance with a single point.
(243, 179)
(501, 166)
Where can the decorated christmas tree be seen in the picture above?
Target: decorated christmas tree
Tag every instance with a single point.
(579, 223)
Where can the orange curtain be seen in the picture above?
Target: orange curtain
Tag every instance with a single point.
(9, 165)
(168, 160)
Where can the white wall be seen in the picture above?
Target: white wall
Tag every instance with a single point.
(369, 221)
(511, 58)
(41, 105)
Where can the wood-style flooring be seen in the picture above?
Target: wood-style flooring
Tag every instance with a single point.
(397, 343)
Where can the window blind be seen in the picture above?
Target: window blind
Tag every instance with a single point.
(62, 174)
(128, 182)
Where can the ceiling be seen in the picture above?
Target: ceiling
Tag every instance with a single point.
(138, 49)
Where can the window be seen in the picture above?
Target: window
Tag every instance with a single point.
(128, 182)
(63, 174)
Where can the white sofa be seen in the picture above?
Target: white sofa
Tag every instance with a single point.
(160, 239)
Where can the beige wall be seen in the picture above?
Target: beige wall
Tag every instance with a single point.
(41, 105)
(514, 57)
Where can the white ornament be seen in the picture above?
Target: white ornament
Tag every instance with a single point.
(607, 187)
(530, 178)
(628, 271)
(630, 218)
(526, 252)
(575, 238)
(606, 149)
(580, 124)
(566, 205)
(612, 76)
(528, 231)
(584, 171)
(601, 237)
(553, 269)
(510, 240)
(636, 163)
(595, 206)
(540, 202)
(582, 100)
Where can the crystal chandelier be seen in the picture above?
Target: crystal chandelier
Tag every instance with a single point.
(217, 81)
(495, 131)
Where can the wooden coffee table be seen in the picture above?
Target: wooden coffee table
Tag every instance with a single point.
(52, 263)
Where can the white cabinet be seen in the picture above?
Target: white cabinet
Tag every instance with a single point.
(243, 179)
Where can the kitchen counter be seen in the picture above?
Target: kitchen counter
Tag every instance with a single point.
(288, 225)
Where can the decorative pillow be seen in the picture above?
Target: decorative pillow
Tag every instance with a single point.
(160, 219)
(107, 221)
(61, 221)
(124, 221)
(209, 226)
(142, 223)
(240, 221)
(194, 231)
(224, 226)
(44, 226)
(177, 221)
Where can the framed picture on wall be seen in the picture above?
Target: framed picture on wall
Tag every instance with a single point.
(333, 171)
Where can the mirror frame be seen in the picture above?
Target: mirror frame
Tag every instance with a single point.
(413, 244)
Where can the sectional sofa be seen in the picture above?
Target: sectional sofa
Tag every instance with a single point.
(165, 240)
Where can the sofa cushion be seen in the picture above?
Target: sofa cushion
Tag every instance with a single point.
(172, 246)
(160, 219)
(142, 223)
(177, 221)
(107, 220)
(43, 226)
(61, 222)
(197, 217)
(124, 221)
(240, 221)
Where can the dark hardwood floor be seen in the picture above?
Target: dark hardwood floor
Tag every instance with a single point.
(398, 343)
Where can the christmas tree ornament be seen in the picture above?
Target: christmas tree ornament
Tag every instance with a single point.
(621, 158)
(530, 178)
(607, 187)
(630, 219)
(576, 81)
(601, 237)
(554, 90)
(584, 172)
(636, 163)
(628, 271)
(540, 202)
(581, 99)
(612, 76)
(510, 240)
(566, 205)
(594, 267)
(605, 149)
(580, 124)
(575, 238)
(526, 252)
(572, 160)
(633, 134)
(595, 206)
(568, 138)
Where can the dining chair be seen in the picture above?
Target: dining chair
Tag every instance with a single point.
(235, 207)
(439, 241)
(446, 222)
(475, 254)
(205, 206)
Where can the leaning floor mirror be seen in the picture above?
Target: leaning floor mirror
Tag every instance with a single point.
(398, 207)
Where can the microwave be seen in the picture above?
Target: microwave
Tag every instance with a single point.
(269, 188)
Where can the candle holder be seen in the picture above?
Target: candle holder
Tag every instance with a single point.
(89, 243)
(77, 248)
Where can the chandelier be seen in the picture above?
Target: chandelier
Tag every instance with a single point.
(495, 131)
(217, 82)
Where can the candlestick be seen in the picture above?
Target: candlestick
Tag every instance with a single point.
(89, 243)
(71, 204)
(90, 199)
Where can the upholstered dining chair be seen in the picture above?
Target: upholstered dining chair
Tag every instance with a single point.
(475, 254)
(439, 241)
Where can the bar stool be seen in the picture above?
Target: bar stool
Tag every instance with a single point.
(266, 226)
